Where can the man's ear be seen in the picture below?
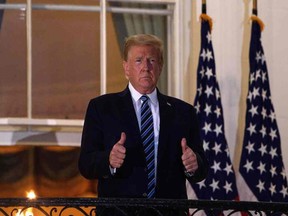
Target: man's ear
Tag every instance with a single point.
(126, 68)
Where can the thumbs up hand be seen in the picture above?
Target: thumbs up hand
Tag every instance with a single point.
(189, 158)
(118, 153)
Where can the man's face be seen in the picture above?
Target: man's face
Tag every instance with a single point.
(142, 68)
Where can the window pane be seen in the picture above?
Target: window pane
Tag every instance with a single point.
(126, 24)
(66, 62)
(116, 80)
(13, 88)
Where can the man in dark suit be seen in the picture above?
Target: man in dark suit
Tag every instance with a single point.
(112, 148)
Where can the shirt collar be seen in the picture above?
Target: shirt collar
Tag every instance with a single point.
(136, 95)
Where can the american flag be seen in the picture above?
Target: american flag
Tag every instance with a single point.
(261, 164)
(220, 184)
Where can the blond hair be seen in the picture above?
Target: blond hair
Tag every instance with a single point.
(144, 40)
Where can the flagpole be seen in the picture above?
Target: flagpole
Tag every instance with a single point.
(255, 17)
(203, 6)
(254, 11)
(204, 16)
(206, 67)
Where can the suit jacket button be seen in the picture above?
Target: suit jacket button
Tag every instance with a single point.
(144, 195)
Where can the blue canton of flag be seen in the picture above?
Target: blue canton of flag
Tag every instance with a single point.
(220, 184)
(261, 163)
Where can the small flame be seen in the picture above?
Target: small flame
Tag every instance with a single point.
(31, 195)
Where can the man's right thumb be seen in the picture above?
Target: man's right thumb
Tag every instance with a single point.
(122, 139)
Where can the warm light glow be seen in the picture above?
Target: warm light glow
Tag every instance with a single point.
(31, 195)
(27, 212)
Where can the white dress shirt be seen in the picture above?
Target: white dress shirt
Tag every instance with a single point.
(155, 113)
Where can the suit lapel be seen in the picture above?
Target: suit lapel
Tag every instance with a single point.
(128, 114)
(165, 110)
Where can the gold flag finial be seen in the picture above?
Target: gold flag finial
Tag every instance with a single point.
(205, 17)
(254, 16)
(259, 21)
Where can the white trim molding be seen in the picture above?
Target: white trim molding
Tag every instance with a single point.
(181, 47)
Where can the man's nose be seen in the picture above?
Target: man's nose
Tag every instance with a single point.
(147, 65)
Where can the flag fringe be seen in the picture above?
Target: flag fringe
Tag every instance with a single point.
(205, 17)
(259, 21)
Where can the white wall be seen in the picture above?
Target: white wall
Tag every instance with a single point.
(231, 37)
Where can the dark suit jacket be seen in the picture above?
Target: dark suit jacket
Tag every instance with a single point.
(109, 115)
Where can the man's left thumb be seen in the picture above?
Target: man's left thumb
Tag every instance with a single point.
(183, 145)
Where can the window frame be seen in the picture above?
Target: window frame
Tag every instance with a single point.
(178, 17)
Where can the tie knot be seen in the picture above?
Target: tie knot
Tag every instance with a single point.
(144, 98)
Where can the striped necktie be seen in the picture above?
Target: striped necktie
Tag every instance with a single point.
(147, 135)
